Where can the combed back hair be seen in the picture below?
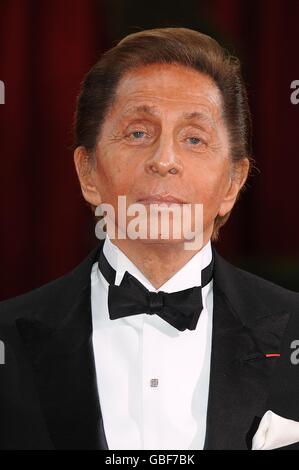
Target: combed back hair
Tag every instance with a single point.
(179, 46)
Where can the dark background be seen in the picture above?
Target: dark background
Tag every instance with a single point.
(47, 46)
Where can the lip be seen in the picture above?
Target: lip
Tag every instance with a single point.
(161, 199)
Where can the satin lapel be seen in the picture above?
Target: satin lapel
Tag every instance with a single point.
(63, 363)
(243, 331)
(283, 397)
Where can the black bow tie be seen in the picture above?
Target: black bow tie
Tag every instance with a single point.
(181, 309)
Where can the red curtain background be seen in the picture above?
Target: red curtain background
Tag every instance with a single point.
(267, 34)
(45, 50)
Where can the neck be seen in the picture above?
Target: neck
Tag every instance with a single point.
(158, 261)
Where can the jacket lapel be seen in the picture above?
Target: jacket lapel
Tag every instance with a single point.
(243, 331)
(283, 396)
(59, 345)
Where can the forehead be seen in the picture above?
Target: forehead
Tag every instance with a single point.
(152, 88)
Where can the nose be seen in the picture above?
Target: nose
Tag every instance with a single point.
(164, 160)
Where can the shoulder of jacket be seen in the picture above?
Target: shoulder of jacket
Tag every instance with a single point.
(59, 290)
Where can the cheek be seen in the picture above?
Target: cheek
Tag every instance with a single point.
(210, 180)
(114, 177)
(210, 187)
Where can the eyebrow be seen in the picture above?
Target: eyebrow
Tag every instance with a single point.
(143, 108)
(200, 116)
(152, 110)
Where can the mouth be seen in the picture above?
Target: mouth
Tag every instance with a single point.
(161, 199)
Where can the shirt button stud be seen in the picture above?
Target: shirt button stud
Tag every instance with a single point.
(154, 382)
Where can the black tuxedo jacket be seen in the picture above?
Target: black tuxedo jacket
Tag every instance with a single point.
(48, 390)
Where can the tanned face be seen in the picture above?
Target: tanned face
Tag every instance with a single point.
(165, 134)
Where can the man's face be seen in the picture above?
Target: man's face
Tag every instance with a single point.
(165, 117)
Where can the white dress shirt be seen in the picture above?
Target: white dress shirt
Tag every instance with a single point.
(153, 380)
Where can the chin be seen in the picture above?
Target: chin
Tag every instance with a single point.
(162, 242)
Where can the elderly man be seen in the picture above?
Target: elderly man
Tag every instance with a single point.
(148, 344)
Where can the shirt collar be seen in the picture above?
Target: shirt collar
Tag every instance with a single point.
(188, 276)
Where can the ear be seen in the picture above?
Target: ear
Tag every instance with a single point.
(237, 179)
(86, 171)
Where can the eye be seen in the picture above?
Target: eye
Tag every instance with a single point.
(194, 140)
(138, 137)
(134, 136)
(138, 134)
